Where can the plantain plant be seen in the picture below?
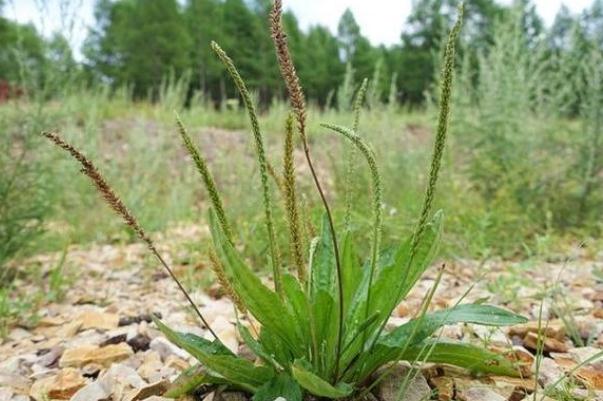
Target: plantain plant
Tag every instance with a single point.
(322, 330)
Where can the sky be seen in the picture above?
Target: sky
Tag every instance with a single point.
(380, 20)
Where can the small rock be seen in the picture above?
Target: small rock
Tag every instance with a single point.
(179, 364)
(15, 381)
(139, 343)
(66, 383)
(444, 387)
(95, 391)
(403, 310)
(70, 329)
(51, 357)
(480, 394)
(92, 370)
(98, 320)
(154, 389)
(49, 321)
(553, 329)
(582, 354)
(592, 377)
(226, 333)
(150, 366)
(549, 372)
(389, 388)
(59, 387)
(550, 344)
(18, 334)
(128, 320)
(113, 384)
(6, 394)
(166, 348)
(120, 338)
(105, 356)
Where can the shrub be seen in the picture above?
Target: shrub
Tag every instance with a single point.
(322, 330)
(24, 194)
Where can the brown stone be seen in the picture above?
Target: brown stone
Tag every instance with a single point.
(66, 384)
(416, 390)
(86, 354)
(59, 387)
(68, 330)
(523, 384)
(592, 377)
(552, 329)
(153, 389)
(98, 320)
(403, 310)
(444, 387)
(551, 344)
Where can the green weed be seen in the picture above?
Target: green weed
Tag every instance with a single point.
(322, 332)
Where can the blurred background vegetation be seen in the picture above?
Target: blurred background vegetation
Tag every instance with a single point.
(524, 169)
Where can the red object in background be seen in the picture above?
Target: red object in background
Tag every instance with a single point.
(8, 91)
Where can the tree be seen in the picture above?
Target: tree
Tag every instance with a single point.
(348, 34)
(323, 70)
(139, 43)
(593, 23)
(559, 36)
(424, 32)
(22, 54)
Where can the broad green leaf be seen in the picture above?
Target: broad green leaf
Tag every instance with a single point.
(390, 346)
(297, 301)
(324, 300)
(424, 255)
(396, 274)
(256, 347)
(275, 347)
(236, 370)
(323, 269)
(351, 270)
(471, 357)
(486, 315)
(281, 385)
(317, 386)
(190, 380)
(265, 305)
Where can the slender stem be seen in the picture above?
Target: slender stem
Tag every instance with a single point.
(262, 161)
(297, 97)
(367, 152)
(349, 191)
(115, 202)
(181, 287)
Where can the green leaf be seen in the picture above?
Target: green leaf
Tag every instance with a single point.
(236, 370)
(486, 315)
(256, 347)
(351, 270)
(396, 274)
(323, 293)
(390, 346)
(471, 357)
(424, 255)
(275, 347)
(298, 303)
(323, 268)
(280, 386)
(265, 305)
(190, 380)
(318, 386)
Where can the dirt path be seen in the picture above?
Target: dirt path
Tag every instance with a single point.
(97, 343)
